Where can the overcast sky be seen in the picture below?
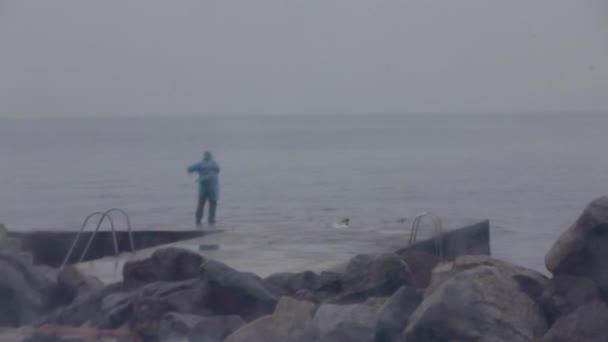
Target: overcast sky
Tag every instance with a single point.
(159, 57)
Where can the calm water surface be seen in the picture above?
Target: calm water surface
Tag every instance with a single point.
(531, 175)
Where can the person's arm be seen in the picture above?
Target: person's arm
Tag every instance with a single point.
(194, 168)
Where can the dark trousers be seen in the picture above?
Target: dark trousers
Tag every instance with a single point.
(200, 209)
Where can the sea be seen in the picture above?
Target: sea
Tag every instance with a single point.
(531, 175)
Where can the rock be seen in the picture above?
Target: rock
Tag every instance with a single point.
(328, 283)
(290, 318)
(175, 326)
(588, 323)
(95, 309)
(292, 322)
(531, 281)
(305, 285)
(73, 284)
(116, 308)
(372, 275)
(288, 306)
(582, 250)
(146, 317)
(564, 294)
(23, 334)
(309, 334)
(215, 328)
(307, 296)
(286, 283)
(394, 314)
(184, 296)
(578, 250)
(167, 264)
(269, 328)
(343, 323)
(376, 302)
(483, 303)
(113, 305)
(26, 291)
(79, 334)
(421, 265)
(150, 303)
(236, 293)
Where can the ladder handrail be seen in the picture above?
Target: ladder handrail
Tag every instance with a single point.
(129, 227)
(82, 227)
(438, 230)
(104, 215)
(86, 249)
(416, 223)
(129, 230)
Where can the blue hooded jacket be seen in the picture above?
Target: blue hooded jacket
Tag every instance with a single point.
(208, 181)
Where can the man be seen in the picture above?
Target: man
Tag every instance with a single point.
(208, 187)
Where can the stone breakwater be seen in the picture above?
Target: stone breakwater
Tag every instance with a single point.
(408, 296)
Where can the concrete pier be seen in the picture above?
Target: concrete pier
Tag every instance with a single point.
(279, 248)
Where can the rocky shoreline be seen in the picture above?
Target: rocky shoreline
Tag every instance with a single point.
(407, 296)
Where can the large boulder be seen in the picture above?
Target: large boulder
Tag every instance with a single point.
(149, 304)
(421, 265)
(290, 306)
(483, 303)
(231, 292)
(564, 294)
(27, 292)
(73, 284)
(530, 281)
(588, 323)
(22, 334)
(305, 285)
(285, 283)
(582, 250)
(394, 314)
(114, 305)
(344, 323)
(372, 275)
(167, 264)
(215, 328)
(115, 309)
(93, 309)
(176, 326)
(290, 318)
(277, 327)
(79, 334)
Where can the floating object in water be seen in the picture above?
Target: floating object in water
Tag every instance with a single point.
(344, 224)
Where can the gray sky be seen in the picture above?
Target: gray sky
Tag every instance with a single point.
(159, 57)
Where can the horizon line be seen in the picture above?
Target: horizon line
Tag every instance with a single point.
(286, 115)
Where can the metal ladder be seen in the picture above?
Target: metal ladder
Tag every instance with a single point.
(103, 215)
(438, 230)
